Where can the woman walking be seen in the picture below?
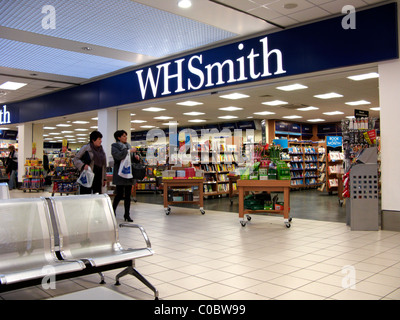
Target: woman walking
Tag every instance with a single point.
(119, 151)
(92, 155)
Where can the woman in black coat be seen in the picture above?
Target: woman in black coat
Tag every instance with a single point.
(119, 150)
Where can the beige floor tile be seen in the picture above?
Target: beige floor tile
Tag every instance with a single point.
(268, 290)
(216, 290)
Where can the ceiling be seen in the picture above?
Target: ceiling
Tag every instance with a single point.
(74, 42)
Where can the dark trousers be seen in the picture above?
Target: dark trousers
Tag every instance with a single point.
(123, 192)
(97, 182)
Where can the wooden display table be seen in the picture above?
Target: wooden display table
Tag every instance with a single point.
(264, 185)
(182, 183)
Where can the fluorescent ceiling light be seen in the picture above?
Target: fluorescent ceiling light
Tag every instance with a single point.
(197, 120)
(350, 117)
(193, 113)
(133, 114)
(96, 118)
(138, 121)
(184, 4)
(275, 103)
(163, 118)
(170, 123)
(189, 103)
(234, 96)
(63, 125)
(330, 95)
(81, 135)
(292, 117)
(153, 109)
(316, 120)
(69, 137)
(80, 129)
(264, 113)
(9, 85)
(49, 128)
(66, 131)
(147, 127)
(94, 127)
(364, 76)
(230, 109)
(307, 108)
(80, 122)
(376, 109)
(332, 113)
(357, 103)
(228, 117)
(54, 133)
(292, 87)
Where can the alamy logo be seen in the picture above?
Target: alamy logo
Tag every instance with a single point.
(349, 20)
(49, 20)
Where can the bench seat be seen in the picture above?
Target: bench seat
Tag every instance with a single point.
(27, 250)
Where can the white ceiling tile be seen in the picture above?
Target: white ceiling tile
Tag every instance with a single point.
(309, 14)
(278, 6)
(265, 13)
(335, 7)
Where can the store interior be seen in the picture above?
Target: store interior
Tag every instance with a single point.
(215, 109)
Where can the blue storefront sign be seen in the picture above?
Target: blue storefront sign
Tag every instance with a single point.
(314, 47)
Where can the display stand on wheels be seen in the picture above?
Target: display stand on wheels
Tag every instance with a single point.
(268, 186)
(186, 197)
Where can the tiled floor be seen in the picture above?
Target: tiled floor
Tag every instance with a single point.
(212, 256)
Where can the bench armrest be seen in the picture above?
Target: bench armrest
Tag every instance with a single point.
(130, 225)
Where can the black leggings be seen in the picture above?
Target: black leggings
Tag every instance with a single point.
(123, 192)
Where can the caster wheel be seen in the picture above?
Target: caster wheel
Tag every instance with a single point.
(290, 219)
(202, 211)
(248, 218)
(243, 223)
(167, 211)
(287, 225)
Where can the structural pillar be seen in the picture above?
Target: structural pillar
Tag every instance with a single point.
(25, 135)
(389, 96)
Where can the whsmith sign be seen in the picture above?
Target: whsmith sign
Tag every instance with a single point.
(314, 47)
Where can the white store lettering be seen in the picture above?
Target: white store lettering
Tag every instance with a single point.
(211, 74)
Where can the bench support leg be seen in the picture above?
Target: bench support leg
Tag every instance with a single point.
(102, 278)
(132, 271)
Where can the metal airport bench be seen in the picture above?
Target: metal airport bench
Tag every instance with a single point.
(4, 191)
(87, 235)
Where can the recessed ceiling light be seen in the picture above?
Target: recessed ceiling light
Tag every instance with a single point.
(138, 121)
(163, 118)
(81, 134)
(230, 109)
(69, 137)
(307, 108)
(184, 4)
(81, 129)
(189, 103)
(95, 118)
(10, 85)
(170, 123)
(364, 76)
(290, 5)
(66, 131)
(332, 113)
(153, 109)
(49, 128)
(80, 122)
(376, 109)
(330, 95)
(275, 103)
(234, 96)
(316, 120)
(264, 113)
(147, 127)
(94, 127)
(193, 113)
(197, 120)
(350, 117)
(63, 125)
(133, 114)
(357, 103)
(228, 117)
(54, 133)
(292, 117)
(292, 87)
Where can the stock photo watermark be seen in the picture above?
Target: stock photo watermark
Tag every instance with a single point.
(349, 280)
(49, 20)
(349, 20)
